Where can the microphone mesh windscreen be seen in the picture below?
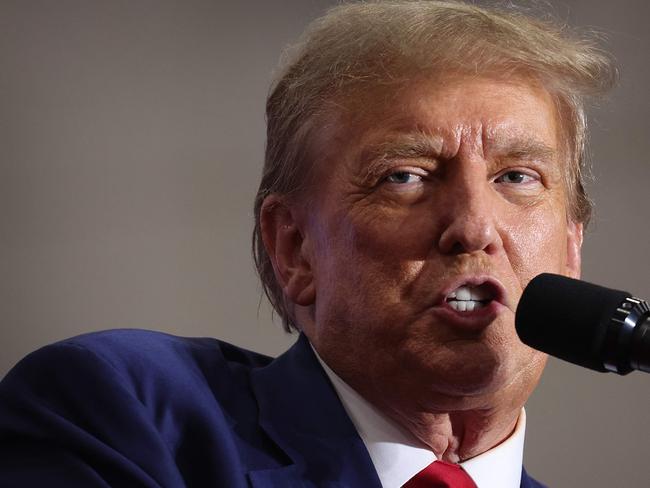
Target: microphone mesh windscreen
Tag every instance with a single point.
(567, 318)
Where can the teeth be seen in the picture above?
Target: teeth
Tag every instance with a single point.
(470, 293)
(465, 305)
(463, 293)
(468, 298)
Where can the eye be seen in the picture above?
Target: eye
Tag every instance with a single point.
(516, 177)
(403, 177)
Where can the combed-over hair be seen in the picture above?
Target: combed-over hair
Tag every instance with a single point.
(387, 43)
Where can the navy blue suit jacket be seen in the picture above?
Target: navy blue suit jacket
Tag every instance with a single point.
(132, 408)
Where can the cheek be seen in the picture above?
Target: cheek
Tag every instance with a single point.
(392, 249)
(537, 242)
(392, 235)
(379, 252)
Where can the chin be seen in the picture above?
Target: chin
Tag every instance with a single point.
(477, 372)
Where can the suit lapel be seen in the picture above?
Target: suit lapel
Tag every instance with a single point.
(301, 412)
(528, 482)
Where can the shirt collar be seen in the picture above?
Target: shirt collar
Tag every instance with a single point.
(398, 456)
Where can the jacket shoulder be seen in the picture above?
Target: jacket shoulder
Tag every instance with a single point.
(128, 346)
(126, 407)
(151, 367)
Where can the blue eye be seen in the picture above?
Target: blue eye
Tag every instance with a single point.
(515, 177)
(403, 177)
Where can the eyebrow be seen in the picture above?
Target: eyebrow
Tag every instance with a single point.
(420, 145)
(415, 145)
(378, 157)
(522, 148)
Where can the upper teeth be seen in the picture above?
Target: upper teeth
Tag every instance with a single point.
(466, 293)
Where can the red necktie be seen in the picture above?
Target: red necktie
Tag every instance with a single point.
(440, 474)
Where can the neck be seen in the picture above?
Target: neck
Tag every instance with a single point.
(454, 428)
(456, 436)
(456, 423)
(453, 435)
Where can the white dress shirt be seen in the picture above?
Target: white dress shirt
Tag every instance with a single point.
(398, 456)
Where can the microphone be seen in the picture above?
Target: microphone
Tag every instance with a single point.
(589, 325)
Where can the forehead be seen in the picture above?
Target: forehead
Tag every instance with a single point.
(449, 115)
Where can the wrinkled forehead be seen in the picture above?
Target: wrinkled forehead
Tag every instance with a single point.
(439, 115)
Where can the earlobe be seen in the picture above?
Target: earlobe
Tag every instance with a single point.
(575, 232)
(286, 246)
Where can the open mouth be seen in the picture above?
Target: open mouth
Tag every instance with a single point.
(467, 298)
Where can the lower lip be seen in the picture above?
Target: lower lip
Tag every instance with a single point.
(477, 319)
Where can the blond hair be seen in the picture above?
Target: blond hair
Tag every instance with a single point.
(388, 43)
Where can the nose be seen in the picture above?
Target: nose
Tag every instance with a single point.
(470, 217)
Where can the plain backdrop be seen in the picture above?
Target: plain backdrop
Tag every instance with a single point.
(131, 142)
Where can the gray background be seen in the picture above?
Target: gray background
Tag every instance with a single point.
(131, 141)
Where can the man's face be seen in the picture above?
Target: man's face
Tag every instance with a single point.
(435, 207)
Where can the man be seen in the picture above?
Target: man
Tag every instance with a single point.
(423, 164)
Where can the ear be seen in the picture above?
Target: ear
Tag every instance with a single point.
(574, 249)
(288, 250)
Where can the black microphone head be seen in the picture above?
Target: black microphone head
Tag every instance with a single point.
(567, 318)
